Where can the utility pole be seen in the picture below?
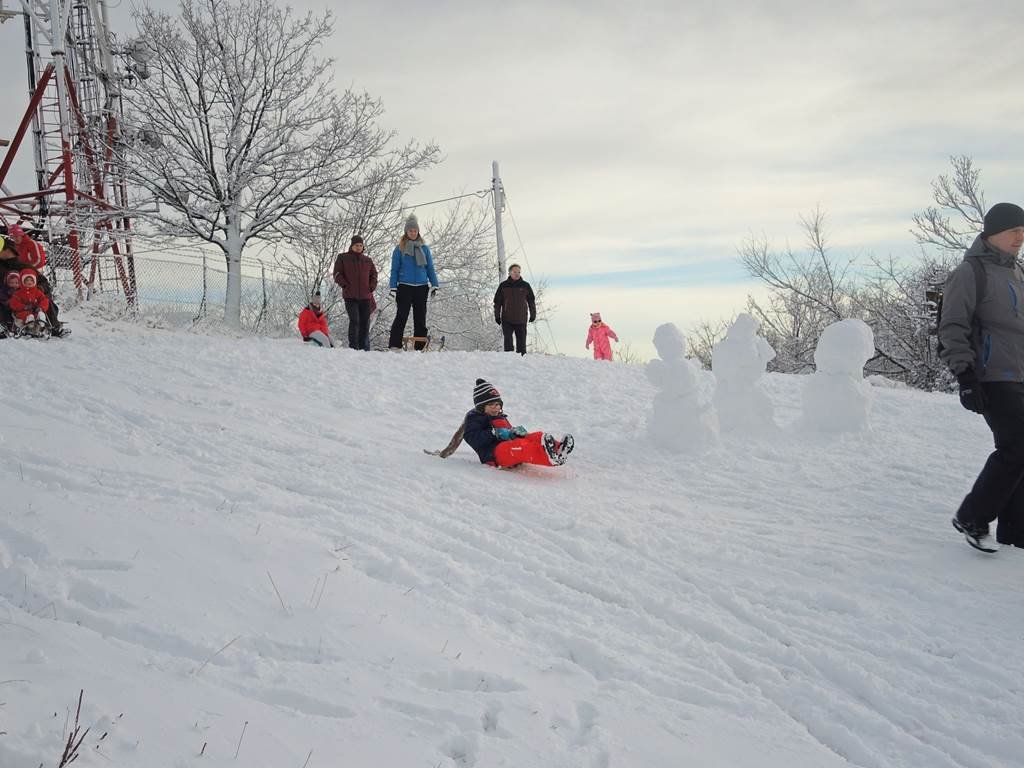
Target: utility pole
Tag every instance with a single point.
(499, 206)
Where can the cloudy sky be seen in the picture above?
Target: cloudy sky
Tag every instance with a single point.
(641, 142)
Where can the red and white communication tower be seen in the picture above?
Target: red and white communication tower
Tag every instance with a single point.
(74, 115)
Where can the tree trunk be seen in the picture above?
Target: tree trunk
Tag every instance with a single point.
(233, 296)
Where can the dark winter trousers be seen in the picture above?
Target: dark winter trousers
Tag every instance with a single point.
(999, 490)
(410, 297)
(519, 329)
(358, 323)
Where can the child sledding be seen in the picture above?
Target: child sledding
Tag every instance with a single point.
(500, 444)
(28, 305)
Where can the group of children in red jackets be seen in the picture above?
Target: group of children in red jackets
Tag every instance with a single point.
(21, 295)
(24, 306)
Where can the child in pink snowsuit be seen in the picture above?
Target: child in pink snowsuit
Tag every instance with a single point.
(598, 335)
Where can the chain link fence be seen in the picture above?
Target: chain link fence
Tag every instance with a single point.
(180, 292)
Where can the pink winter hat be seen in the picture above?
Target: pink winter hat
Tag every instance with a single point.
(595, 317)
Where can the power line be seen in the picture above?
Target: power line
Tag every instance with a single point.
(526, 258)
(479, 194)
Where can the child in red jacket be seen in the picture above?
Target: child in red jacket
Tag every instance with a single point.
(489, 432)
(313, 323)
(29, 304)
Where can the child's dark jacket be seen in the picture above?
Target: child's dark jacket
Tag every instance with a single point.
(479, 433)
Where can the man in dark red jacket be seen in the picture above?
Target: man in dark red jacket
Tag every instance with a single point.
(514, 306)
(356, 273)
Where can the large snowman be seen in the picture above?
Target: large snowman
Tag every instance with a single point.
(738, 362)
(683, 419)
(836, 397)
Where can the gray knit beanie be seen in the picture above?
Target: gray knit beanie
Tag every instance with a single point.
(412, 222)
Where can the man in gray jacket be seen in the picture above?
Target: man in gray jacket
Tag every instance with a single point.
(982, 339)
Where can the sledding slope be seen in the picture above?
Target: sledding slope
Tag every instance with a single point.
(238, 546)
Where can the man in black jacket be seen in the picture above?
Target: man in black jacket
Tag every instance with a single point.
(514, 306)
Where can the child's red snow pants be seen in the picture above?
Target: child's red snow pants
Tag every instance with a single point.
(522, 450)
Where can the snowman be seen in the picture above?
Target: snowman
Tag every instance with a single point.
(683, 419)
(836, 397)
(738, 362)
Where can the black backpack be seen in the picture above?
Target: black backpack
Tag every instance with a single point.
(933, 298)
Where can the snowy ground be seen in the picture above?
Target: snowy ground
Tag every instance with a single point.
(801, 601)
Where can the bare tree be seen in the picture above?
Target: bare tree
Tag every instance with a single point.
(702, 339)
(462, 241)
(630, 355)
(894, 303)
(239, 132)
(959, 211)
(808, 291)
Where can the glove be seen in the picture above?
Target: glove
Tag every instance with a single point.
(972, 396)
(502, 433)
(393, 292)
(519, 431)
(497, 320)
(532, 318)
(433, 292)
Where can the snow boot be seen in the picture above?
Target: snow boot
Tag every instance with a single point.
(557, 450)
(566, 446)
(552, 449)
(977, 536)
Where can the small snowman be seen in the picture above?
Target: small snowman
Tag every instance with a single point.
(836, 397)
(738, 362)
(683, 419)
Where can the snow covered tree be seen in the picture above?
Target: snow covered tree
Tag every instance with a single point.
(462, 242)
(957, 216)
(701, 340)
(239, 133)
(808, 292)
(894, 302)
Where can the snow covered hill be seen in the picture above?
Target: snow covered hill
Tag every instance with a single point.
(237, 547)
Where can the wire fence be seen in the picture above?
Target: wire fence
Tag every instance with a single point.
(184, 291)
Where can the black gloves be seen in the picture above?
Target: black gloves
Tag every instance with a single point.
(972, 396)
(433, 292)
(533, 318)
(497, 319)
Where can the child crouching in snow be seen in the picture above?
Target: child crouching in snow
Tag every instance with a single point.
(490, 433)
(313, 323)
(28, 304)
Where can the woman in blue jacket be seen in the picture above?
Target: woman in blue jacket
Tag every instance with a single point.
(412, 276)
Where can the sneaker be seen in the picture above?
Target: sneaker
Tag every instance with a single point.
(977, 535)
